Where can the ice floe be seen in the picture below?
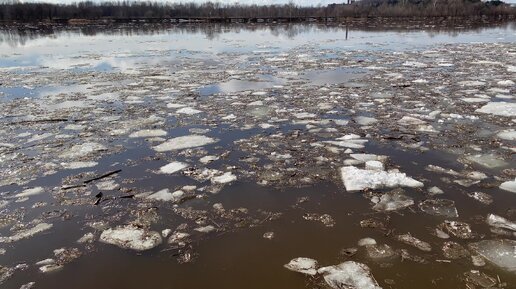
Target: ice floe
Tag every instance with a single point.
(356, 179)
(184, 142)
(131, 237)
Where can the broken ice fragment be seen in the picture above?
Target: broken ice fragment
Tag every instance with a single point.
(391, 201)
(366, 242)
(208, 159)
(488, 161)
(480, 279)
(364, 120)
(356, 179)
(303, 115)
(225, 178)
(86, 238)
(205, 229)
(172, 167)
(499, 108)
(349, 275)
(507, 134)
(107, 185)
(458, 229)
(50, 268)
(82, 150)
(165, 195)
(349, 141)
(184, 142)
(380, 251)
(148, 133)
(481, 197)
(435, 191)
(439, 207)
(30, 192)
(188, 111)
(509, 186)
(27, 233)
(500, 222)
(303, 265)
(501, 253)
(131, 237)
(78, 165)
(454, 250)
(415, 242)
(374, 165)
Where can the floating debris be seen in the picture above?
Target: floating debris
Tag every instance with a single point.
(414, 242)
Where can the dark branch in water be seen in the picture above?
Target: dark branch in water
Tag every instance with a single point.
(85, 12)
(101, 176)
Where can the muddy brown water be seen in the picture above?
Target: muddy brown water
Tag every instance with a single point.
(241, 257)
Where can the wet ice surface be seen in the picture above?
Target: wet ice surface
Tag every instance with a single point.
(382, 166)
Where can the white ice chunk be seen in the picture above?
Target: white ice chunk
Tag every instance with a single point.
(82, 150)
(175, 105)
(30, 192)
(78, 165)
(374, 165)
(172, 167)
(148, 133)
(165, 195)
(488, 161)
(507, 82)
(500, 222)
(208, 159)
(364, 120)
(205, 229)
(366, 242)
(184, 142)
(356, 179)
(509, 186)
(502, 252)
(303, 115)
(131, 237)
(349, 275)
(499, 108)
(27, 233)
(509, 134)
(227, 177)
(188, 111)
(303, 265)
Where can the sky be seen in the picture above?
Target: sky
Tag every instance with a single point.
(298, 2)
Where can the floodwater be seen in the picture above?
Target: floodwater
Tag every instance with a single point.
(322, 135)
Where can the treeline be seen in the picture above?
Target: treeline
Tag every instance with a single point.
(29, 12)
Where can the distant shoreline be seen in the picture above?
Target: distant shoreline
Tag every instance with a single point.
(190, 12)
(272, 20)
(371, 23)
